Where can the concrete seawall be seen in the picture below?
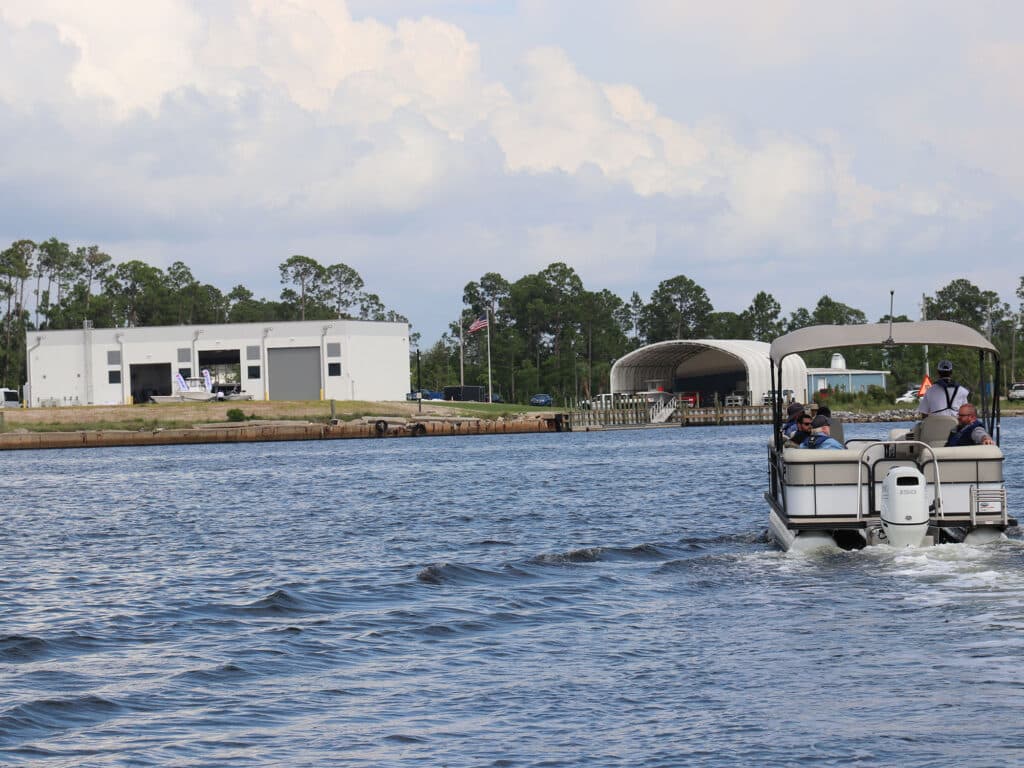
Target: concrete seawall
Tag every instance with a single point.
(253, 432)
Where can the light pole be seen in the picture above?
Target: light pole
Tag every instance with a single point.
(1013, 349)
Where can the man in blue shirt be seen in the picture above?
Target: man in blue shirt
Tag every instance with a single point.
(793, 415)
(969, 431)
(820, 437)
(802, 431)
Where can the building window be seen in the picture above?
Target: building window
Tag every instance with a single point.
(254, 372)
(333, 349)
(185, 372)
(252, 352)
(184, 355)
(113, 377)
(334, 369)
(114, 357)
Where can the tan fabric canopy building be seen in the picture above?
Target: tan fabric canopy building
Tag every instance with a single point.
(709, 366)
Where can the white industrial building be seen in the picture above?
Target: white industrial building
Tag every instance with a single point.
(710, 367)
(308, 360)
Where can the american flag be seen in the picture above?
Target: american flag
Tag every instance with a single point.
(479, 324)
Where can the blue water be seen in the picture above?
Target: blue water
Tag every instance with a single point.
(598, 599)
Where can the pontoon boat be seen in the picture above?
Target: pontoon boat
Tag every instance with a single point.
(905, 490)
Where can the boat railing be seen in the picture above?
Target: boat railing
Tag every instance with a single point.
(862, 460)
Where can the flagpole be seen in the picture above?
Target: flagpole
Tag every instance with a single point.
(490, 392)
(462, 375)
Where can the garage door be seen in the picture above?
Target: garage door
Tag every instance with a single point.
(294, 373)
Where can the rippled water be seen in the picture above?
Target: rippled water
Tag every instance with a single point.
(594, 599)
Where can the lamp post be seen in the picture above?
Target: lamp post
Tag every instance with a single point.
(1013, 349)
(419, 383)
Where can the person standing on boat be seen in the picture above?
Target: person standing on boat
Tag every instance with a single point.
(969, 431)
(945, 396)
(820, 437)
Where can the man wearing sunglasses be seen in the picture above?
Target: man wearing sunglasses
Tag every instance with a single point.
(803, 431)
(820, 435)
(968, 430)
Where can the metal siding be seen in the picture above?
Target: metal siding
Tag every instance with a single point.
(70, 367)
(293, 373)
(662, 359)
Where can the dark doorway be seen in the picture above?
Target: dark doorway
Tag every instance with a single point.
(149, 379)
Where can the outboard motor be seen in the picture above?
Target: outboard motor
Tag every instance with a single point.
(904, 507)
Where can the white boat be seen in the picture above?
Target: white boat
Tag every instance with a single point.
(234, 393)
(904, 489)
(190, 390)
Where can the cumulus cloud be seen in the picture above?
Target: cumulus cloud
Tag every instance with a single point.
(273, 125)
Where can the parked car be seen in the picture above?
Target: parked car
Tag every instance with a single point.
(1016, 392)
(496, 398)
(910, 396)
(542, 400)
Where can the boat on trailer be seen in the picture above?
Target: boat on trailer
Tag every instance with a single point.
(906, 489)
(193, 389)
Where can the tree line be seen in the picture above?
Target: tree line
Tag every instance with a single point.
(51, 286)
(548, 332)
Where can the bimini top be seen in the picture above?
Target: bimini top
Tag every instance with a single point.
(939, 332)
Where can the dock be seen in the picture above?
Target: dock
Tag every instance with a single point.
(641, 415)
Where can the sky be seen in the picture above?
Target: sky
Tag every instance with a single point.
(799, 148)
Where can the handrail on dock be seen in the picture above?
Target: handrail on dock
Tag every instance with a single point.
(639, 414)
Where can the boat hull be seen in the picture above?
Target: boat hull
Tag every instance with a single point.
(183, 397)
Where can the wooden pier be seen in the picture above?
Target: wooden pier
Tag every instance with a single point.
(642, 415)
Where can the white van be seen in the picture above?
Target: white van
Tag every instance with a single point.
(9, 398)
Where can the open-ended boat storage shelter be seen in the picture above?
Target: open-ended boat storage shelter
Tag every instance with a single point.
(708, 366)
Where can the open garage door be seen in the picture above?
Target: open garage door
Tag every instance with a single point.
(149, 379)
(224, 365)
(293, 373)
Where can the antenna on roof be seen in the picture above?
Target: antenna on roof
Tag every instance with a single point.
(889, 342)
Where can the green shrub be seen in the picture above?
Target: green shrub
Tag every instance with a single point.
(235, 414)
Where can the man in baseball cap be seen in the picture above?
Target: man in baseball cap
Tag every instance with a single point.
(820, 436)
(945, 396)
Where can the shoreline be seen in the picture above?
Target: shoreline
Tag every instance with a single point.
(270, 421)
(264, 421)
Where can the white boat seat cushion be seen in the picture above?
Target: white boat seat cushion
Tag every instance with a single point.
(935, 429)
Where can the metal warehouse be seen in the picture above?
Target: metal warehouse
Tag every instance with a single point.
(308, 360)
(710, 367)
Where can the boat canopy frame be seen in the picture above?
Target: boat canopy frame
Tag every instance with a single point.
(937, 332)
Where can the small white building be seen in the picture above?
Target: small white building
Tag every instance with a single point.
(308, 360)
(838, 376)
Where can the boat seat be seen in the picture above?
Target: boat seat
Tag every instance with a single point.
(808, 466)
(836, 429)
(965, 464)
(935, 429)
